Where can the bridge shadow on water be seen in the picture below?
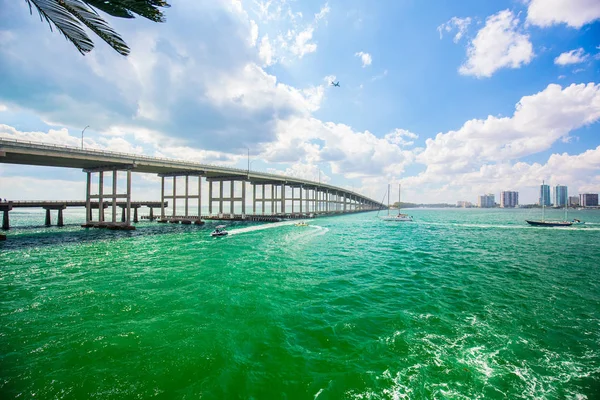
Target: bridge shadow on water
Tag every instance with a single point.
(26, 237)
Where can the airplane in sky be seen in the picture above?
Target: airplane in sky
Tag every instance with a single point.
(335, 83)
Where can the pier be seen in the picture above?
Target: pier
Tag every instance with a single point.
(59, 206)
(233, 193)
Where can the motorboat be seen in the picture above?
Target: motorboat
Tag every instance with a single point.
(219, 231)
(301, 224)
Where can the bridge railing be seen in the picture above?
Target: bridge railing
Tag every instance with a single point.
(175, 162)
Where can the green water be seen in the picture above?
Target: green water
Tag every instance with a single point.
(461, 304)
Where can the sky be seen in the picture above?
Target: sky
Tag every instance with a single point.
(450, 99)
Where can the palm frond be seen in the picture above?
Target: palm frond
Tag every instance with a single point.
(93, 21)
(126, 8)
(56, 14)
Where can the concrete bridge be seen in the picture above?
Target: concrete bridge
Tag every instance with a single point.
(273, 196)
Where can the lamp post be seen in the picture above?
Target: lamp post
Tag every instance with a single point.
(82, 136)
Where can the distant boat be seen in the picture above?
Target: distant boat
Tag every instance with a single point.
(543, 221)
(219, 231)
(400, 217)
(301, 224)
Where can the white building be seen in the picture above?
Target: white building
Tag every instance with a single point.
(509, 199)
(486, 201)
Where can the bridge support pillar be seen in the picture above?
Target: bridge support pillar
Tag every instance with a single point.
(48, 218)
(5, 220)
(60, 218)
(111, 198)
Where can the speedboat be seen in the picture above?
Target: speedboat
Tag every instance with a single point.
(219, 231)
(399, 217)
(301, 224)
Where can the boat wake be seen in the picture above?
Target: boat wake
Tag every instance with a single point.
(271, 226)
(582, 227)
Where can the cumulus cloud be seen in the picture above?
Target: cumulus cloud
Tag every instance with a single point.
(364, 57)
(576, 56)
(538, 121)
(574, 13)
(266, 51)
(460, 24)
(499, 44)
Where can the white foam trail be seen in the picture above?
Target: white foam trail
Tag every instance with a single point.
(264, 226)
(318, 393)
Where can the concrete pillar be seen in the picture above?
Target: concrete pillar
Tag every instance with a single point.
(88, 206)
(244, 197)
(114, 198)
(174, 196)
(263, 200)
(5, 220)
(151, 214)
(254, 198)
(210, 197)
(100, 197)
(123, 219)
(273, 194)
(162, 197)
(199, 196)
(135, 214)
(283, 198)
(345, 202)
(231, 196)
(60, 218)
(128, 196)
(301, 190)
(48, 218)
(187, 182)
(220, 197)
(293, 199)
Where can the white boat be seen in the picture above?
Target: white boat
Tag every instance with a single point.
(399, 217)
(219, 231)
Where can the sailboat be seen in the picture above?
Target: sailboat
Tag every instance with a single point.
(543, 221)
(400, 217)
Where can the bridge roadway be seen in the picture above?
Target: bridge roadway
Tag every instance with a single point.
(307, 197)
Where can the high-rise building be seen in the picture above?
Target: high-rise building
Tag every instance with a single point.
(573, 201)
(509, 199)
(463, 204)
(544, 195)
(588, 200)
(486, 201)
(560, 196)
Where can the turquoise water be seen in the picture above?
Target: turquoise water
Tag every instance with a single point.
(461, 304)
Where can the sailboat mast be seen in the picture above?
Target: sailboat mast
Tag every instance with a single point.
(543, 200)
(399, 197)
(388, 199)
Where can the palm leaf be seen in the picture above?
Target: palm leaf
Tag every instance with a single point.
(55, 14)
(94, 22)
(126, 8)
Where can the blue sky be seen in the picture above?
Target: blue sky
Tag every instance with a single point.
(452, 99)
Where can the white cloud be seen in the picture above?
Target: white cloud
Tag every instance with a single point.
(266, 51)
(538, 121)
(3, 108)
(499, 44)
(323, 13)
(365, 58)
(574, 13)
(253, 33)
(301, 44)
(571, 57)
(398, 136)
(293, 37)
(460, 24)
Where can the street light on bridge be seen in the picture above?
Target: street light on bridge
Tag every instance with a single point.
(82, 136)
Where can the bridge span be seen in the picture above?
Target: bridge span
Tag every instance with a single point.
(272, 195)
